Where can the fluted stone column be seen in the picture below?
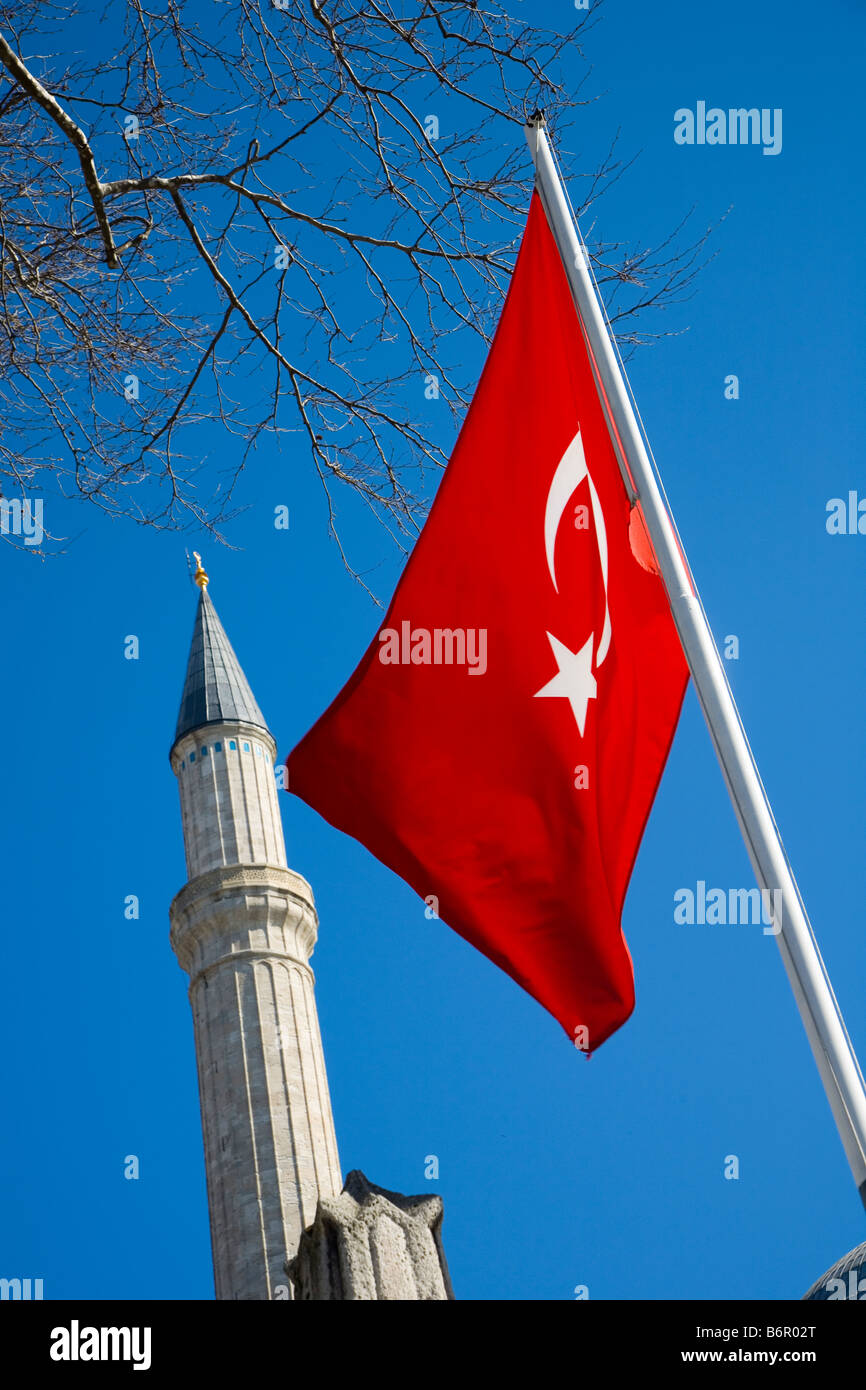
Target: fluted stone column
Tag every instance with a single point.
(243, 928)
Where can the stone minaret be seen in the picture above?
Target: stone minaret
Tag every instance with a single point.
(244, 928)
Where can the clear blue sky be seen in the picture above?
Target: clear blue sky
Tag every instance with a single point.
(555, 1171)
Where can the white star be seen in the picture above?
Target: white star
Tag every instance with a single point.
(574, 680)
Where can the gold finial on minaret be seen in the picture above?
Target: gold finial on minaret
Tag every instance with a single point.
(200, 575)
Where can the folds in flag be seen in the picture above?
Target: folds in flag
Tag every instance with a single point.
(501, 742)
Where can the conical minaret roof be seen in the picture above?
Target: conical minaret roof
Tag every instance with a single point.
(216, 689)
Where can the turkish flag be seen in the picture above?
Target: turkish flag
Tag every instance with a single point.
(500, 744)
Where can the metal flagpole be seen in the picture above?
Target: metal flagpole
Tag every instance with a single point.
(819, 1010)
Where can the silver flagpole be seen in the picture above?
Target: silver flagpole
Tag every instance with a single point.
(819, 1010)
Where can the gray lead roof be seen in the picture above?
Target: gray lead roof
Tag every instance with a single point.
(215, 689)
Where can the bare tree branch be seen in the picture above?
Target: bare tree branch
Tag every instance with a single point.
(28, 83)
(301, 217)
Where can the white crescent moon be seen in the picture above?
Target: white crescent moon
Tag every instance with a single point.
(570, 473)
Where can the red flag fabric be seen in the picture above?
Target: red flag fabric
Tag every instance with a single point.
(500, 744)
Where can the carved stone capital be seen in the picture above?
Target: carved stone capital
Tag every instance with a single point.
(845, 1280)
(370, 1243)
